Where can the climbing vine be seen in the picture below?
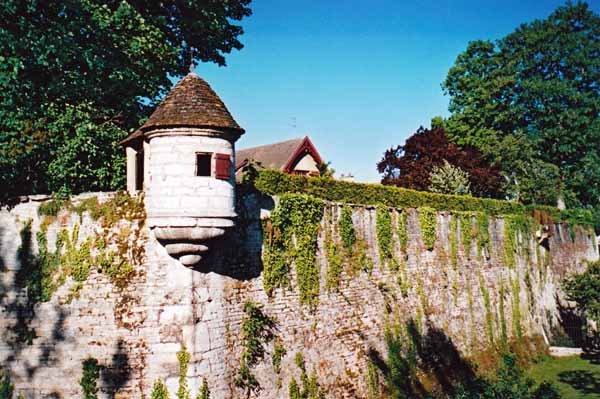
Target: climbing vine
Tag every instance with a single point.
(335, 255)
(501, 311)
(373, 391)
(483, 234)
(428, 223)
(89, 379)
(276, 269)
(347, 230)
(472, 329)
(257, 331)
(203, 392)
(310, 386)
(159, 390)
(403, 232)
(453, 243)
(292, 238)
(383, 221)
(517, 230)
(516, 307)
(467, 232)
(183, 357)
(489, 316)
(279, 352)
(115, 254)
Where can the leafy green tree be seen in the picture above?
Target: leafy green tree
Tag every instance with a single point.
(449, 179)
(528, 178)
(540, 82)
(584, 289)
(77, 76)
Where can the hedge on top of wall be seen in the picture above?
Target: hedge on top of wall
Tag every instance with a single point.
(273, 182)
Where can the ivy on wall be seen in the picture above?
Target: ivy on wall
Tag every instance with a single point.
(502, 313)
(517, 230)
(383, 227)
(403, 232)
(89, 378)
(483, 234)
(279, 352)
(183, 358)
(516, 307)
(453, 243)
(275, 264)
(310, 386)
(428, 224)
(467, 232)
(335, 254)
(257, 331)
(347, 231)
(489, 315)
(291, 238)
(115, 254)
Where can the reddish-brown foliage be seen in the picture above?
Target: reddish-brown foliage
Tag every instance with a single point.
(410, 165)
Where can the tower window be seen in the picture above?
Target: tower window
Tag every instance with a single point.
(203, 164)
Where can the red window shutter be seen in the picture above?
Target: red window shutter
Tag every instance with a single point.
(222, 166)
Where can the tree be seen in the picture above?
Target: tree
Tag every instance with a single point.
(542, 83)
(84, 73)
(527, 178)
(411, 165)
(584, 289)
(448, 179)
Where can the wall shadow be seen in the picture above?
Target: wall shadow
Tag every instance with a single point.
(19, 300)
(570, 331)
(432, 352)
(239, 253)
(116, 374)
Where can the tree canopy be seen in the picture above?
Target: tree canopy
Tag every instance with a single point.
(410, 165)
(540, 83)
(77, 75)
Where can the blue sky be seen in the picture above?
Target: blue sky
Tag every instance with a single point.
(356, 76)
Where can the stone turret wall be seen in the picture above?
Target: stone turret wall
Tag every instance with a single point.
(135, 330)
(174, 189)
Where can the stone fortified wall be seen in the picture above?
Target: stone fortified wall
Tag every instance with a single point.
(134, 327)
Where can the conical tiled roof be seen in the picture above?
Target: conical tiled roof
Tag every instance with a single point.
(191, 103)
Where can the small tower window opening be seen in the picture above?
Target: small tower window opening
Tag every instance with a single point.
(203, 164)
(139, 170)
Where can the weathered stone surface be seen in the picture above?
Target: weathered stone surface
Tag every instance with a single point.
(136, 333)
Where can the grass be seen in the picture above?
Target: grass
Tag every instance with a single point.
(575, 378)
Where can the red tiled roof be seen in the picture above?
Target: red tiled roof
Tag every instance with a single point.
(191, 103)
(280, 156)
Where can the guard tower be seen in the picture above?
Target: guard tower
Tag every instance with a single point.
(183, 158)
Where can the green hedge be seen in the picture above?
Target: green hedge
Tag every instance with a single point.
(273, 182)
